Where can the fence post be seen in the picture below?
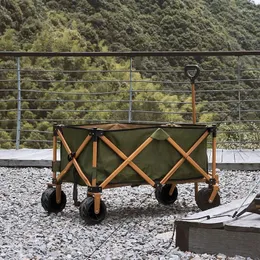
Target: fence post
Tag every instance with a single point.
(18, 125)
(130, 92)
(239, 99)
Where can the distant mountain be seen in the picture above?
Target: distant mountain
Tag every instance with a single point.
(133, 25)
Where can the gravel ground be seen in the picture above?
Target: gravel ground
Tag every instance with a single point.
(136, 226)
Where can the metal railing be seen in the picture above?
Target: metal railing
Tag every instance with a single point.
(40, 89)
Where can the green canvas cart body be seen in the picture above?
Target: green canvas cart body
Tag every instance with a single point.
(102, 156)
(155, 160)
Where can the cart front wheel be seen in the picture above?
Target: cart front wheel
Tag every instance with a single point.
(163, 196)
(86, 210)
(49, 203)
(203, 199)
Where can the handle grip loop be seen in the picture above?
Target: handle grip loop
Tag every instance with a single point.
(192, 72)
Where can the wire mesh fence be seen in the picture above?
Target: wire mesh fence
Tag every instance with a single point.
(40, 90)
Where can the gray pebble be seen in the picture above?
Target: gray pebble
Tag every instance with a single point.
(133, 229)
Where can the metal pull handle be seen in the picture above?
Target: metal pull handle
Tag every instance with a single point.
(192, 72)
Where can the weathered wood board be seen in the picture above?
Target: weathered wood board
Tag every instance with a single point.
(230, 243)
(215, 231)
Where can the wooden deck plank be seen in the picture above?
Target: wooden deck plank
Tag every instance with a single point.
(223, 156)
(228, 157)
(217, 216)
(26, 163)
(248, 156)
(209, 153)
(27, 154)
(230, 243)
(219, 155)
(243, 156)
(249, 222)
(221, 233)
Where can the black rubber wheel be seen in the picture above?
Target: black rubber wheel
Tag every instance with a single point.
(203, 199)
(86, 210)
(162, 194)
(49, 203)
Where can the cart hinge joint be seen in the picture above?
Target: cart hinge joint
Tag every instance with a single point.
(54, 181)
(158, 185)
(56, 128)
(96, 133)
(71, 156)
(212, 181)
(94, 189)
(213, 130)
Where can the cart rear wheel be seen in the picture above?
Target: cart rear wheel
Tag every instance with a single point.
(163, 196)
(203, 199)
(49, 203)
(86, 210)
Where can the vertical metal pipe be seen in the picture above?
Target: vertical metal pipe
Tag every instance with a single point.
(239, 99)
(130, 92)
(18, 125)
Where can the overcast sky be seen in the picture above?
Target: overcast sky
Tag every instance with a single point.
(257, 1)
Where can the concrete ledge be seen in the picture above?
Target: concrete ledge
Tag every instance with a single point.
(25, 163)
(237, 166)
(244, 160)
(47, 164)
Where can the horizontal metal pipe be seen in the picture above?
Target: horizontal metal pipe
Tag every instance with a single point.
(8, 89)
(7, 120)
(148, 71)
(129, 54)
(237, 131)
(242, 142)
(134, 101)
(40, 141)
(118, 111)
(7, 130)
(127, 81)
(126, 101)
(137, 90)
(177, 113)
(37, 131)
(7, 140)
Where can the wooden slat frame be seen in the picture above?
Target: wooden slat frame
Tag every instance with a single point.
(124, 157)
(127, 161)
(73, 161)
(186, 156)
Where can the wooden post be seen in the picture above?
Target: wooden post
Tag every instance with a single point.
(172, 189)
(58, 194)
(193, 103)
(97, 198)
(54, 156)
(94, 163)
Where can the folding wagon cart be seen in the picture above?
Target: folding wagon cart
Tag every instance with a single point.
(102, 156)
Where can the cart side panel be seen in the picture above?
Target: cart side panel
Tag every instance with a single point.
(74, 138)
(155, 160)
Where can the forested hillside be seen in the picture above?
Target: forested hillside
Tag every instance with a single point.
(116, 25)
(130, 25)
